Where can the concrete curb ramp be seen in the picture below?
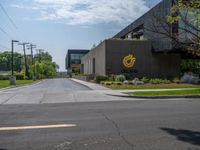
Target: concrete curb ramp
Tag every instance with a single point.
(92, 86)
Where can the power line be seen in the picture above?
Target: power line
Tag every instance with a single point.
(12, 22)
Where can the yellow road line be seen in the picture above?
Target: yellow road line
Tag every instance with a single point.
(37, 127)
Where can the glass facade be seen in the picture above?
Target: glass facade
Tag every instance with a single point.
(76, 58)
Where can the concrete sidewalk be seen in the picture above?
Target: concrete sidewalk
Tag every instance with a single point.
(107, 91)
(92, 86)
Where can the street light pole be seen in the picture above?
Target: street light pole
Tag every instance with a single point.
(12, 78)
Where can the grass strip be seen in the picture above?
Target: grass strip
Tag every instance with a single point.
(6, 83)
(167, 93)
(159, 86)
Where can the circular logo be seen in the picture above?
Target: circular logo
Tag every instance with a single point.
(129, 61)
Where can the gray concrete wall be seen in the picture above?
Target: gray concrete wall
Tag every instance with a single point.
(100, 62)
(147, 63)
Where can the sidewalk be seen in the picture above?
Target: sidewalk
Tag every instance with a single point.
(120, 93)
(92, 86)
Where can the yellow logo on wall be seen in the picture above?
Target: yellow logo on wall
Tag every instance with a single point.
(129, 61)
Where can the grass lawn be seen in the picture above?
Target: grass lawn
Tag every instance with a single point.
(168, 93)
(150, 86)
(6, 83)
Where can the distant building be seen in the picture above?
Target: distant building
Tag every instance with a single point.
(73, 59)
(139, 51)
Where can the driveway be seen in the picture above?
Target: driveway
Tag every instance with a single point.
(53, 91)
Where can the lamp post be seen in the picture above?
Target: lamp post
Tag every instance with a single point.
(13, 78)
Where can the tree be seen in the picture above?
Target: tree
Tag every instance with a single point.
(185, 16)
(43, 56)
(5, 61)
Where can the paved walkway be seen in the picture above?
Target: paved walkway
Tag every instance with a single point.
(108, 91)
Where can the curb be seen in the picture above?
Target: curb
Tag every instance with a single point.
(80, 83)
(156, 97)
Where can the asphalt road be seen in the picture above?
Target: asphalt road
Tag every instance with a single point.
(126, 125)
(53, 91)
(32, 122)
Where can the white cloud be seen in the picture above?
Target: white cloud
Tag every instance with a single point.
(82, 12)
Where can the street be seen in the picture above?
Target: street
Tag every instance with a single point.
(36, 114)
(52, 91)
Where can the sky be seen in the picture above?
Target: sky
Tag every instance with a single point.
(59, 25)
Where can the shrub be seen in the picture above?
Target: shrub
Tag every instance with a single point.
(118, 83)
(4, 77)
(120, 78)
(127, 76)
(155, 81)
(112, 77)
(20, 76)
(159, 81)
(108, 83)
(145, 80)
(176, 80)
(165, 81)
(130, 82)
(102, 82)
(100, 78)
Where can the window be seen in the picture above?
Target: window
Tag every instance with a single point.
(76, 58)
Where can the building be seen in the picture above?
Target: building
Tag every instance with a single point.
(138, 49)
(73, 59)
(130, 56)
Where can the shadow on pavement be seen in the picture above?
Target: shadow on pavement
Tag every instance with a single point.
(192, 137)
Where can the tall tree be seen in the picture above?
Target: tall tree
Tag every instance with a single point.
(5, 61)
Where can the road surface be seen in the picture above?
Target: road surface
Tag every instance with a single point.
(99, 125)
(52, 91)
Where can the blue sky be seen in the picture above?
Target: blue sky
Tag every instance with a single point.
(58, 25)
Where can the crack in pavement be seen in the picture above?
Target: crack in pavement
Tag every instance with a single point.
(43, 97)
(118, 131)
(8, 99)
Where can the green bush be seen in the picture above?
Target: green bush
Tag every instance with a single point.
(159, 81)
(155, 81)
(20, 76)
(130, 82)
(145, 80)
(112, 77)
(120, 78)
(165, 81)
(127, 76)
(176, 80)
(102, 82)
(100, 78)
(4, 77)
(118, 83)
(108, 83)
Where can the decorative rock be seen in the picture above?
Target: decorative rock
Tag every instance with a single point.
(125, 82)
(190, 78)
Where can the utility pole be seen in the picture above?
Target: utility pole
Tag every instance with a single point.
(34, 78)
(31, 48)
(12, 78)
(25, 60)
(39, 54)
